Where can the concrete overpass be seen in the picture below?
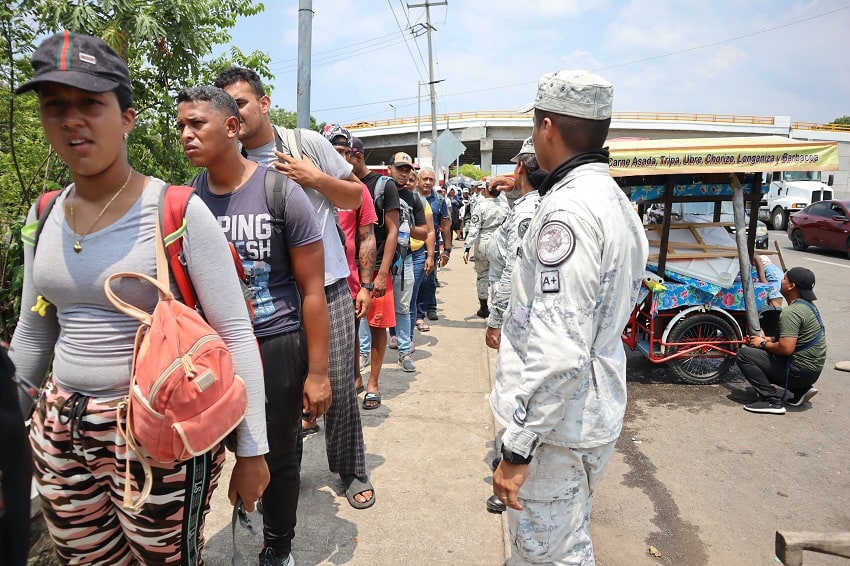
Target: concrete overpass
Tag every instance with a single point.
(493, 137)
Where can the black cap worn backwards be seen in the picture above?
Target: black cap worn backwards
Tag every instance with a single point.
(80, 61)
(804, 280)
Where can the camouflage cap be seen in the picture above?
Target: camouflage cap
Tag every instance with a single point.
(573, 93)
(526, 149)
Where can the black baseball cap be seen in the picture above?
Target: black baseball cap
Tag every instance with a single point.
(80, 61)
(356, 145)
(804, 280)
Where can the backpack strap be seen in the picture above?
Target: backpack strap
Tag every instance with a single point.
(380, 186)
(173, 201)
(275, 199)
(805, 346)
(44, 204)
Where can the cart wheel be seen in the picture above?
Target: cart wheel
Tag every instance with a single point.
(701, 367)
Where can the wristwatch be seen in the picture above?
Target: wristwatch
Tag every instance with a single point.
(763, 344)
(512, 458)
(368, 286)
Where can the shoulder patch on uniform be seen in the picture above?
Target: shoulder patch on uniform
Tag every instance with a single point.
(523, 227)
(550, 281)
(555, 243)
(476, 218)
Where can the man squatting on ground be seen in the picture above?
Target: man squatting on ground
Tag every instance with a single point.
(793, 360)
(560, 385)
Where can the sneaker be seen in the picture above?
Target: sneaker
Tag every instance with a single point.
(364, 361)
(765, 407)
(393, 343)
(432, 315)
(797, 401)
(271, 557)
(406, 363)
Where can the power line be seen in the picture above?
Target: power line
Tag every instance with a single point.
(418, 72)
(618, 65)
(333, 59)
(344, 47)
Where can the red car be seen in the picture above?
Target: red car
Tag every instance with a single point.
(825, 224)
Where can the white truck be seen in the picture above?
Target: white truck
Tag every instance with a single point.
(791, 191)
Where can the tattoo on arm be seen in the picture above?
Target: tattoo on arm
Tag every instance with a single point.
(367, 253)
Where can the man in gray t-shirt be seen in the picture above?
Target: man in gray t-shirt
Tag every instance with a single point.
(329, 182)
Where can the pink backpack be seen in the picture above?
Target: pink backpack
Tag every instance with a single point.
(185, 396)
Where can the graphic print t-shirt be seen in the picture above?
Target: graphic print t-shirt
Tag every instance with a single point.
(245, 220)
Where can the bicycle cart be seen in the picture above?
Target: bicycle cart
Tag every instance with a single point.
(692, 310)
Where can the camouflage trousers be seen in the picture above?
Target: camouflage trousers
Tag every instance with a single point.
(554, 526)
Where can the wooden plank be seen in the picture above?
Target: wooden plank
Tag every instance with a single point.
(694, 246)
(789, 546)
(695, 255)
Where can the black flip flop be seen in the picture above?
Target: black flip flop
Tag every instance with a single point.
(305, 432)
(372, 400)
(354, 485)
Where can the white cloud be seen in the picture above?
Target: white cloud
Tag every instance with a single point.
(662, 55)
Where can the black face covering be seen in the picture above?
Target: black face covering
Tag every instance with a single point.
(598, 156)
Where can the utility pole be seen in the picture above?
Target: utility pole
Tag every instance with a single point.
(427, 5)
(305, 47)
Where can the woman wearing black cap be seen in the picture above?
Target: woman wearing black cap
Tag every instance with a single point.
(793, 361)
(101, 224)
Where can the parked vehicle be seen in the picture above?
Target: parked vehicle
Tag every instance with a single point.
(705, 212)
(824, 224)
(692, 310)
(790, 191)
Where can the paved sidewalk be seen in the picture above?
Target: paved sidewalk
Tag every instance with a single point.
(428, 448)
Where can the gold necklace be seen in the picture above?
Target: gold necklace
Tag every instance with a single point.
(78, 240)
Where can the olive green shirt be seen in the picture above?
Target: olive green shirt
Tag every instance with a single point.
(797, 320)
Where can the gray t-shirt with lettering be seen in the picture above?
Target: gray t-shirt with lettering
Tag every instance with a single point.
(245, 219)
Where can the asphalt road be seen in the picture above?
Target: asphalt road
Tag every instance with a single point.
(705, 482)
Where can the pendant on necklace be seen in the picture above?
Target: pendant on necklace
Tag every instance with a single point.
(78, 247)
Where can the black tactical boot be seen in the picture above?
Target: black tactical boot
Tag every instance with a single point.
(483, 312)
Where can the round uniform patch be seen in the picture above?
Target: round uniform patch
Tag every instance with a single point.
(476, 218)
(523, 227)
(555, 243)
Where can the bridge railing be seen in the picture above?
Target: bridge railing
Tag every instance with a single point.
(823, 127)
(425, 121)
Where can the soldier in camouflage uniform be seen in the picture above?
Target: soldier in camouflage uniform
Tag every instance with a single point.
(504, 244)
(560, 386)
(487, 214)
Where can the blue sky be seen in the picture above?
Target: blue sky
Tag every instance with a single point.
(759, 57)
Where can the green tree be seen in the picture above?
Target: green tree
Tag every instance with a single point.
(168, 44)
(844, 120)
(469, 170)
(288, 119)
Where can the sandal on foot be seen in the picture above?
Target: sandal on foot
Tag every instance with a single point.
(372, 400)
(360, 389)
(305, 432)
(354, 486)
(422, 326)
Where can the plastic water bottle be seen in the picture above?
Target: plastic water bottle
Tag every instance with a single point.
(404, 235)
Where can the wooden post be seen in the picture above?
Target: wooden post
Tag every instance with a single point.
(781, 257)
(753, 326)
